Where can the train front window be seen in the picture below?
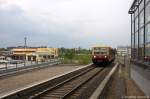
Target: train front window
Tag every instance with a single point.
(100, 53)
(100, 49)
(96, 53)
(103, 53)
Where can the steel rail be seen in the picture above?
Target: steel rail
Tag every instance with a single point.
(37, 95)
(71, 87)
(77, 87)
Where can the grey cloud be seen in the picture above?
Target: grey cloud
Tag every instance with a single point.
(79, 24)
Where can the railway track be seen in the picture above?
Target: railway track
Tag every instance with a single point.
(66, 88)
(77, 86)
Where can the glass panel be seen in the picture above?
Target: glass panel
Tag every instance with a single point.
(132, 41)
(147, 33)
(141, 47)
(136, 24)
(147, 1)
(147, 50)
(136, 40)
(96, 52)
(141, 37)
(136, 44)
(141, 53)
(141, 5)
(132, 17)
(133, 28)
(141, 19)
(148, 13)
(136, 12)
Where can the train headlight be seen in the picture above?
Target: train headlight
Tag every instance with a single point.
(94, 56)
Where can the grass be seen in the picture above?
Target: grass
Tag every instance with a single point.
(81, 59)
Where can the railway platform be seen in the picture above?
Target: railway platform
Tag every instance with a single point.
(19, 81)
(72, 82)
(134, 77)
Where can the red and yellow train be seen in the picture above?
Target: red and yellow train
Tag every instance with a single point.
(102, 54)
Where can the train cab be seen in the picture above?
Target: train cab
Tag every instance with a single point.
(102, 54)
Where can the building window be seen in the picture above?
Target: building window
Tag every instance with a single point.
(141, 44)
(147, 1)
(132, 40)
(132, 49)
(136, 12)
(147, 34)
(141, 5)
(136, 45)
(141, 37)
(147, 50)
(141, 19)
(136, 24)
(132, 18)
(147, 13)
(133, 27)
(136, 39)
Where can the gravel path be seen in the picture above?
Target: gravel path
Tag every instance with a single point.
(22, 80)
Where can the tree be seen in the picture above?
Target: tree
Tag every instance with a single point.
(70, 54)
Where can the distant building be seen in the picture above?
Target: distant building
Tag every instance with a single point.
(123, 50)
(5, 53)
(34, 54)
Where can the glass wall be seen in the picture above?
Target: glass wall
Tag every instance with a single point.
(148, 13)
(132, 34)
(147, 31)
(140, 31)
(147, 34)
(141, 43)
(147, 1)
(136, 45)
(136, 24)
(141, 19)
(147, 50)
(141, 6)
(147, 40)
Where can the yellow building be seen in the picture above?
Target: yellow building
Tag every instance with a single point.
(34, 54)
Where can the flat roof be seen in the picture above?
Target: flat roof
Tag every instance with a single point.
(100, 46)
(134, 5)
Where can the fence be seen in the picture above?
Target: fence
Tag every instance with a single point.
(26, 64)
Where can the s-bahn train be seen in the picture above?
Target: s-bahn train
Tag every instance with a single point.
(102, 54)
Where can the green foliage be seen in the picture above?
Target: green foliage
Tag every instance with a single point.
(70, 54)
(80, 56)
(83, 58)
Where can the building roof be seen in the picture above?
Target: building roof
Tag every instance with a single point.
(134, 6)
(123, 47)
(24, 49)
(100, 46)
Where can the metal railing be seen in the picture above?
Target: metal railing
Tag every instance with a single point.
(25, 64)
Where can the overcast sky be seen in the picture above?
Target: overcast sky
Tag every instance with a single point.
(64, 23)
